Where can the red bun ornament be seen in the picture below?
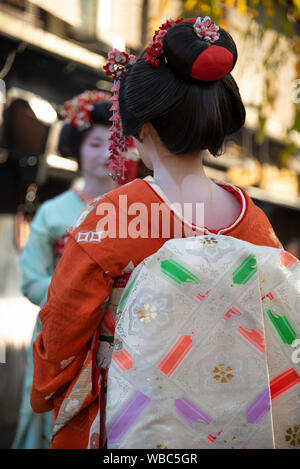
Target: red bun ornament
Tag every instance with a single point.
(215, 61)
(116, 67)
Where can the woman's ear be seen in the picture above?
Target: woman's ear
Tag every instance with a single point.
(144, 132)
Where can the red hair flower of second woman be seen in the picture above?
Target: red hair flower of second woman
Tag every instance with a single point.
(77, 111)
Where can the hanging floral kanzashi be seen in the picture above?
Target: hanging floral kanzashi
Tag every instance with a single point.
(116, 68)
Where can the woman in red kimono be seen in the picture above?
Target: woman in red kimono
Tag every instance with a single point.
(177, 100)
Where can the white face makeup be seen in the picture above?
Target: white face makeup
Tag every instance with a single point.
(94, 152)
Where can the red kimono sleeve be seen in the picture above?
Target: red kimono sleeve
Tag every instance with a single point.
(69, 319)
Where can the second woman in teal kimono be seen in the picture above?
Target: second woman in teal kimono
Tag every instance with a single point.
(88, 141)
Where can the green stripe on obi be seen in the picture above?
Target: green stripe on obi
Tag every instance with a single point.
(283, 327)
(245, 271)
(177, 272)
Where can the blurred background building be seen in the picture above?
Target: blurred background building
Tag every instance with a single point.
(52, 50)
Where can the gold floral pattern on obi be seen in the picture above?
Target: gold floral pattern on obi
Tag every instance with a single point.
(147, 313)
(223, 374)
(292, 435)
(208, 241)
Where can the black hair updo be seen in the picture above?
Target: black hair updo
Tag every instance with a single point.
(188, 114)
(71, 138)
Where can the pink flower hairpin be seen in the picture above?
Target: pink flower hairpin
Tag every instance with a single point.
(206, 29)
(116, 67)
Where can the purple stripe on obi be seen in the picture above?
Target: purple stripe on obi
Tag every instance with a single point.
(127, 416)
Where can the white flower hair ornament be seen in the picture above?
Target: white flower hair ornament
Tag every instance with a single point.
(206, 29)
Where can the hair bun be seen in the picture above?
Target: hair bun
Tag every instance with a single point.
(191, 56)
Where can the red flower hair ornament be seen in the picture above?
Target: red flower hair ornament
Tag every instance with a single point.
(154, 50)
(78, 110)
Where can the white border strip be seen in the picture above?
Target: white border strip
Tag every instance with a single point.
(150, 180)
